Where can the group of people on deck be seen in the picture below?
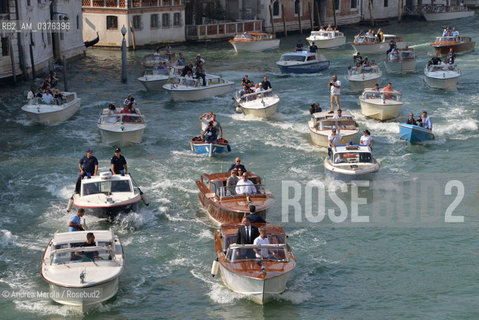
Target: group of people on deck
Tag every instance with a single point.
(360, 64)
(424, 121)
(250, 234)
(238, 182)
(192, 70)
(210, 127)
(129, 105)
(250, 87)
(47, 93)
(370, 33)
(450, 60)
(448, 32)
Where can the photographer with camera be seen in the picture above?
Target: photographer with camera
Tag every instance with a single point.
(334, 87)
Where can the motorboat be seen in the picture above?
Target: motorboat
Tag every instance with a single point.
(361, 78)
(184, 89)
(154, 60)
(444, 13)
(199, 146)
(414, 134)
(302, 62)
(254, 42)
(225, 205)
(260, 104)
(60, 110)
(459, 44)
(366, 44)
(380, 105)
(258, 278)
(321, 124)
(401, 61)
(153, 79)
(106, 195)
(443, 76)
(83, 275)
(121, 129)
(351, 162)
(326, 39)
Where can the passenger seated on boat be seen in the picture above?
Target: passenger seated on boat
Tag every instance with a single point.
(188, 67)
(91, 255)
(264, 253)
(210, 135)
(47, 97)
(189, 81)
(339, 158)
(454, 32)
(366, 139)
(58, 96)
(388, 88)
(329, 28)
(365, 62)
(314, 108)
(434, 61)
(339, 114)
(231, 182)
(31, 93)
(357, 58)
(394, 56)
(451, 56)
(245, 186)
(411, 120)
(112, 109)
(259, 87)
(131, 107)
(321, 28)
(125, 109)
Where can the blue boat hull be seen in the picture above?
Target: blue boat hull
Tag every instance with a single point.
(306, 68)
(210, 149)
(414, 134)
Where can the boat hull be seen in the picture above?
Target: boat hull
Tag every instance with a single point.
(321, 140)
(414, 134)
(209, 149)
(153, 85)
(377, 48)
(459, 48)
(261, 113)
(444, 16)
(54, 116)
(121, 138)
(350, 175)
(438, 83)
(257, 290)
(304, 68)
(84, 298)
(380, 111)
(327, 43)
(255, 46)
(360, 85)
(400, 67)
(199, 93)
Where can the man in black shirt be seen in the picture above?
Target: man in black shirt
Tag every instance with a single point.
(266, 84)
(246, 82)
(88, 166)
(90, 242)
(313, 48)
(118, 163)
(237, 165)
(411, 120)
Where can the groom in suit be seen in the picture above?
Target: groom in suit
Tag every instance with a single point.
(246, 235)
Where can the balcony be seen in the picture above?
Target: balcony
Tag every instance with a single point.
(127, 4)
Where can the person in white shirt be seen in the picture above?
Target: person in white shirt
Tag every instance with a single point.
(262, 239)
(339, 115)
(454, 32)
(335, 87)
(259, 88)
(426, 121)
(47, 97)
(245, 186)
(189, 80)
(205, 119)
(31, 93)
(366, 139)
(335, 138)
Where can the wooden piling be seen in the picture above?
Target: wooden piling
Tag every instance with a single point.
(284, 21)
(272, 20)
(310, 16)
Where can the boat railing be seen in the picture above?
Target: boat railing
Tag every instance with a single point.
(255, 95)
(81, 254)
(121, 118)
(370, 94)
(270, 252)
(224, 192)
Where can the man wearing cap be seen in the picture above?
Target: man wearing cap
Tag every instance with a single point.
(118, 163)
(88, 165)
(200, 68)
(366, 139)
(335, 86)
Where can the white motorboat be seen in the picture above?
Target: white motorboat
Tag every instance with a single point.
(106, 195)
(370, 45)
(401, 61)
(121, 128)
(153, 79)
(326, 39)
(58, 111)
(442, 76)
(361, 78)
(380, 105)
(184, 89)
(80, 274)
(444, 13)
(321, 124)
(154, 60)
(302, 62)
(259, 104)
(257, 277)
(353, 162)
(254, 42)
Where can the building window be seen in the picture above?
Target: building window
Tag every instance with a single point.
(276, 10)
(337, 5)
(3, 6)
(354, 4)
(386, 3)
(5, 48)
(29, 2)
(154, 21)
(111, 22)
(78, 22)
(177, 19)
(166, 20)
(297, 7)
(137, 22)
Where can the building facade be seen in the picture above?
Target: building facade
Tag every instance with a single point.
(32, 51)
(381, 9)
(147, 21)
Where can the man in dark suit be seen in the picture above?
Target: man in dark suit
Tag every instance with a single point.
(246, 235)
(253, 217)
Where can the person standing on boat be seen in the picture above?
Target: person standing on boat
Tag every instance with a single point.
(75, 222)
(253, 217)
(181, 60)
(246, 233)
(200, 68)
(313, 48)
(454, 32)
(245, 186)
(335, 87)
(366, 139)
(88, 167)
(31, 93)
(205, 119)
(211, 135)
(411, 120)
(434, 61)
(451, 56)
(388, 88)
(358, 58)
(237, 165)
(333, 140)
(263, 239)
(118, 163)
(338, 115)
(266, 83)
(299, 46)
(426, 121)
(379, 35)
(314, 108)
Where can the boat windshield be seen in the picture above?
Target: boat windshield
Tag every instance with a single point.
(244, 36)
(290, 57)
(234, 190)
(365, 39)
(106, 187)
(341, 124)
(265, 252)
(446, 39)
(122, 118)
(353, 157)
(384, 95)
(77, 252)
(256, 95)
(442, 68)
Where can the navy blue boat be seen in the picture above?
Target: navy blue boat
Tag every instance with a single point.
(302, 62)
(414, 134)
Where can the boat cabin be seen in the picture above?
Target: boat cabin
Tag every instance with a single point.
(106, 183)
(352, 154)
(371, 94)
(254, 96)
(324, 121)
(245, 37)
(107, 118)
(299, 56)
(217, 186)
(363, 70)
(323, 35)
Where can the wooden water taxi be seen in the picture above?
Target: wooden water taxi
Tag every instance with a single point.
(253, 42)
(458, 44)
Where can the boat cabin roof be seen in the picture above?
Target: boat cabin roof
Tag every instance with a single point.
(80, 236)
(325, 115)
(324, 33)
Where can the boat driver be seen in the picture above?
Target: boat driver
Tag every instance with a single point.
(334, 139)
(90, 242)
(247, 233)
(245, 186)
(246, 82)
